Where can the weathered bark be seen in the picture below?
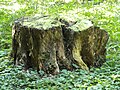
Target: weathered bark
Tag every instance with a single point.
(51, 45)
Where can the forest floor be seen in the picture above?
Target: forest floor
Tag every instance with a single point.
(105, 15)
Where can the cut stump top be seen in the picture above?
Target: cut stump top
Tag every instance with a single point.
(46, 22)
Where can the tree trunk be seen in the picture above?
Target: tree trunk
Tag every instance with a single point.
(51, 44)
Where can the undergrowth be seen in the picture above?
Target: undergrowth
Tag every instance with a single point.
(105, 15)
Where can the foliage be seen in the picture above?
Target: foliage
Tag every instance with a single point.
(105, 14)
(105, 78)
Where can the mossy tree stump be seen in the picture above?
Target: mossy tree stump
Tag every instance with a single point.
(51, 44)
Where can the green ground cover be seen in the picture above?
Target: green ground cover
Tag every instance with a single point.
(106, 15)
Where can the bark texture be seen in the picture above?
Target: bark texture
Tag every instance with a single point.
(51, 44)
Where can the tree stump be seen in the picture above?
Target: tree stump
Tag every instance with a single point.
(51, 44)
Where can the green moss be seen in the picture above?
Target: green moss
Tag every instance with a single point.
(46, 22)
(81, 25)
(41, 22)
(76, 52)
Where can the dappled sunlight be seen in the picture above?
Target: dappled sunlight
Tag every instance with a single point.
(13, 6)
